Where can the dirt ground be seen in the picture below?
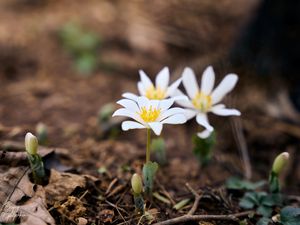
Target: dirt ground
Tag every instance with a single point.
(39, 84)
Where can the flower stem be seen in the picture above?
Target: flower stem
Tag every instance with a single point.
(148, 145)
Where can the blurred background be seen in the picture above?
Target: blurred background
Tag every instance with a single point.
(61, 61)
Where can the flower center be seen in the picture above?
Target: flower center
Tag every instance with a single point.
(149, 115)
(202, 102)
(155, 93)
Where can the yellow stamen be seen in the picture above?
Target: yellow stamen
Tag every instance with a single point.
(155, 93)
(149, 115)
(202, 102)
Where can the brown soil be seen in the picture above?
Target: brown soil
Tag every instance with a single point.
(38, 84)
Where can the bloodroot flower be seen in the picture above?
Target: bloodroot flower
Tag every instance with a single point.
(160, 91)
(150, 114)
(204, 100)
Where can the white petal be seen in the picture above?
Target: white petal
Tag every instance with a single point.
(153, 103)
(201, 119)
(170, 112)
(175, 119)
(129, 104)
(226, 85)
(147, 83)
(162, 78)
(219, 106)
(208, 80)
(183, 102)
(225, 112)
(142, 102)
(130, 96)
(165, 104)
(204, 134)
(172, 88)
(128, 125)
(156, 127)
(141, 88)
(189, 82)
(190, 113)
(180, 98)
(125, 112)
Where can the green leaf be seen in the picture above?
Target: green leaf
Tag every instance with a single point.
(249, 200)
(265, 211)
(203, 148)
(252, 199)
(290, 216)
(272, 200)
(263, 221)
(149, 170)
(239, 184)
(158, 146)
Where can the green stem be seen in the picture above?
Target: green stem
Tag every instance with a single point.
(148, 145)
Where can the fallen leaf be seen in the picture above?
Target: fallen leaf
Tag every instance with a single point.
(61, 185)
(14, 189)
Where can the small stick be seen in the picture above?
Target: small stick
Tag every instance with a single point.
(196, 202)
(165, 192)
(239, 137)
(188, 218)
(116, 190)
(111, 185)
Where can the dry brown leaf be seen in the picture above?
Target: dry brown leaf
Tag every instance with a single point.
(61, 185)
(15, 187)
(14, 153)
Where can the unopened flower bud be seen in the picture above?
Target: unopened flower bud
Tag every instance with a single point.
(31, 143)
(136, 183)
(280, 162)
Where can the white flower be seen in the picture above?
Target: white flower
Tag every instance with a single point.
(160, 91)
(204, 100)
(149, 113)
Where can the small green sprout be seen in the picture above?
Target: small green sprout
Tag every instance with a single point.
(35, 160)
(181, 204)
(106, 112)
(137, 188)
(279, 164)
(82, 45)
(161, 198)
(203, 148)
(108, 126)
(263, 202)
(42, 133)
(158, 147)
(149, 171)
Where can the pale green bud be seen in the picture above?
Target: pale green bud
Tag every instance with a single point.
(136, 183)
(31, 143)
(280, 162)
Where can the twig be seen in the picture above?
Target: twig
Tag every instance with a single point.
(118, 209)
(196, 202)
(116, 190)
(187, 218)
(242, 145)
(111, 185)
(165, 192)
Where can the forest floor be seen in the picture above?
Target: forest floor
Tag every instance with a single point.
(39, 84)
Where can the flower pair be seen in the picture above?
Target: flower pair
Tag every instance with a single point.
(152, 109)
